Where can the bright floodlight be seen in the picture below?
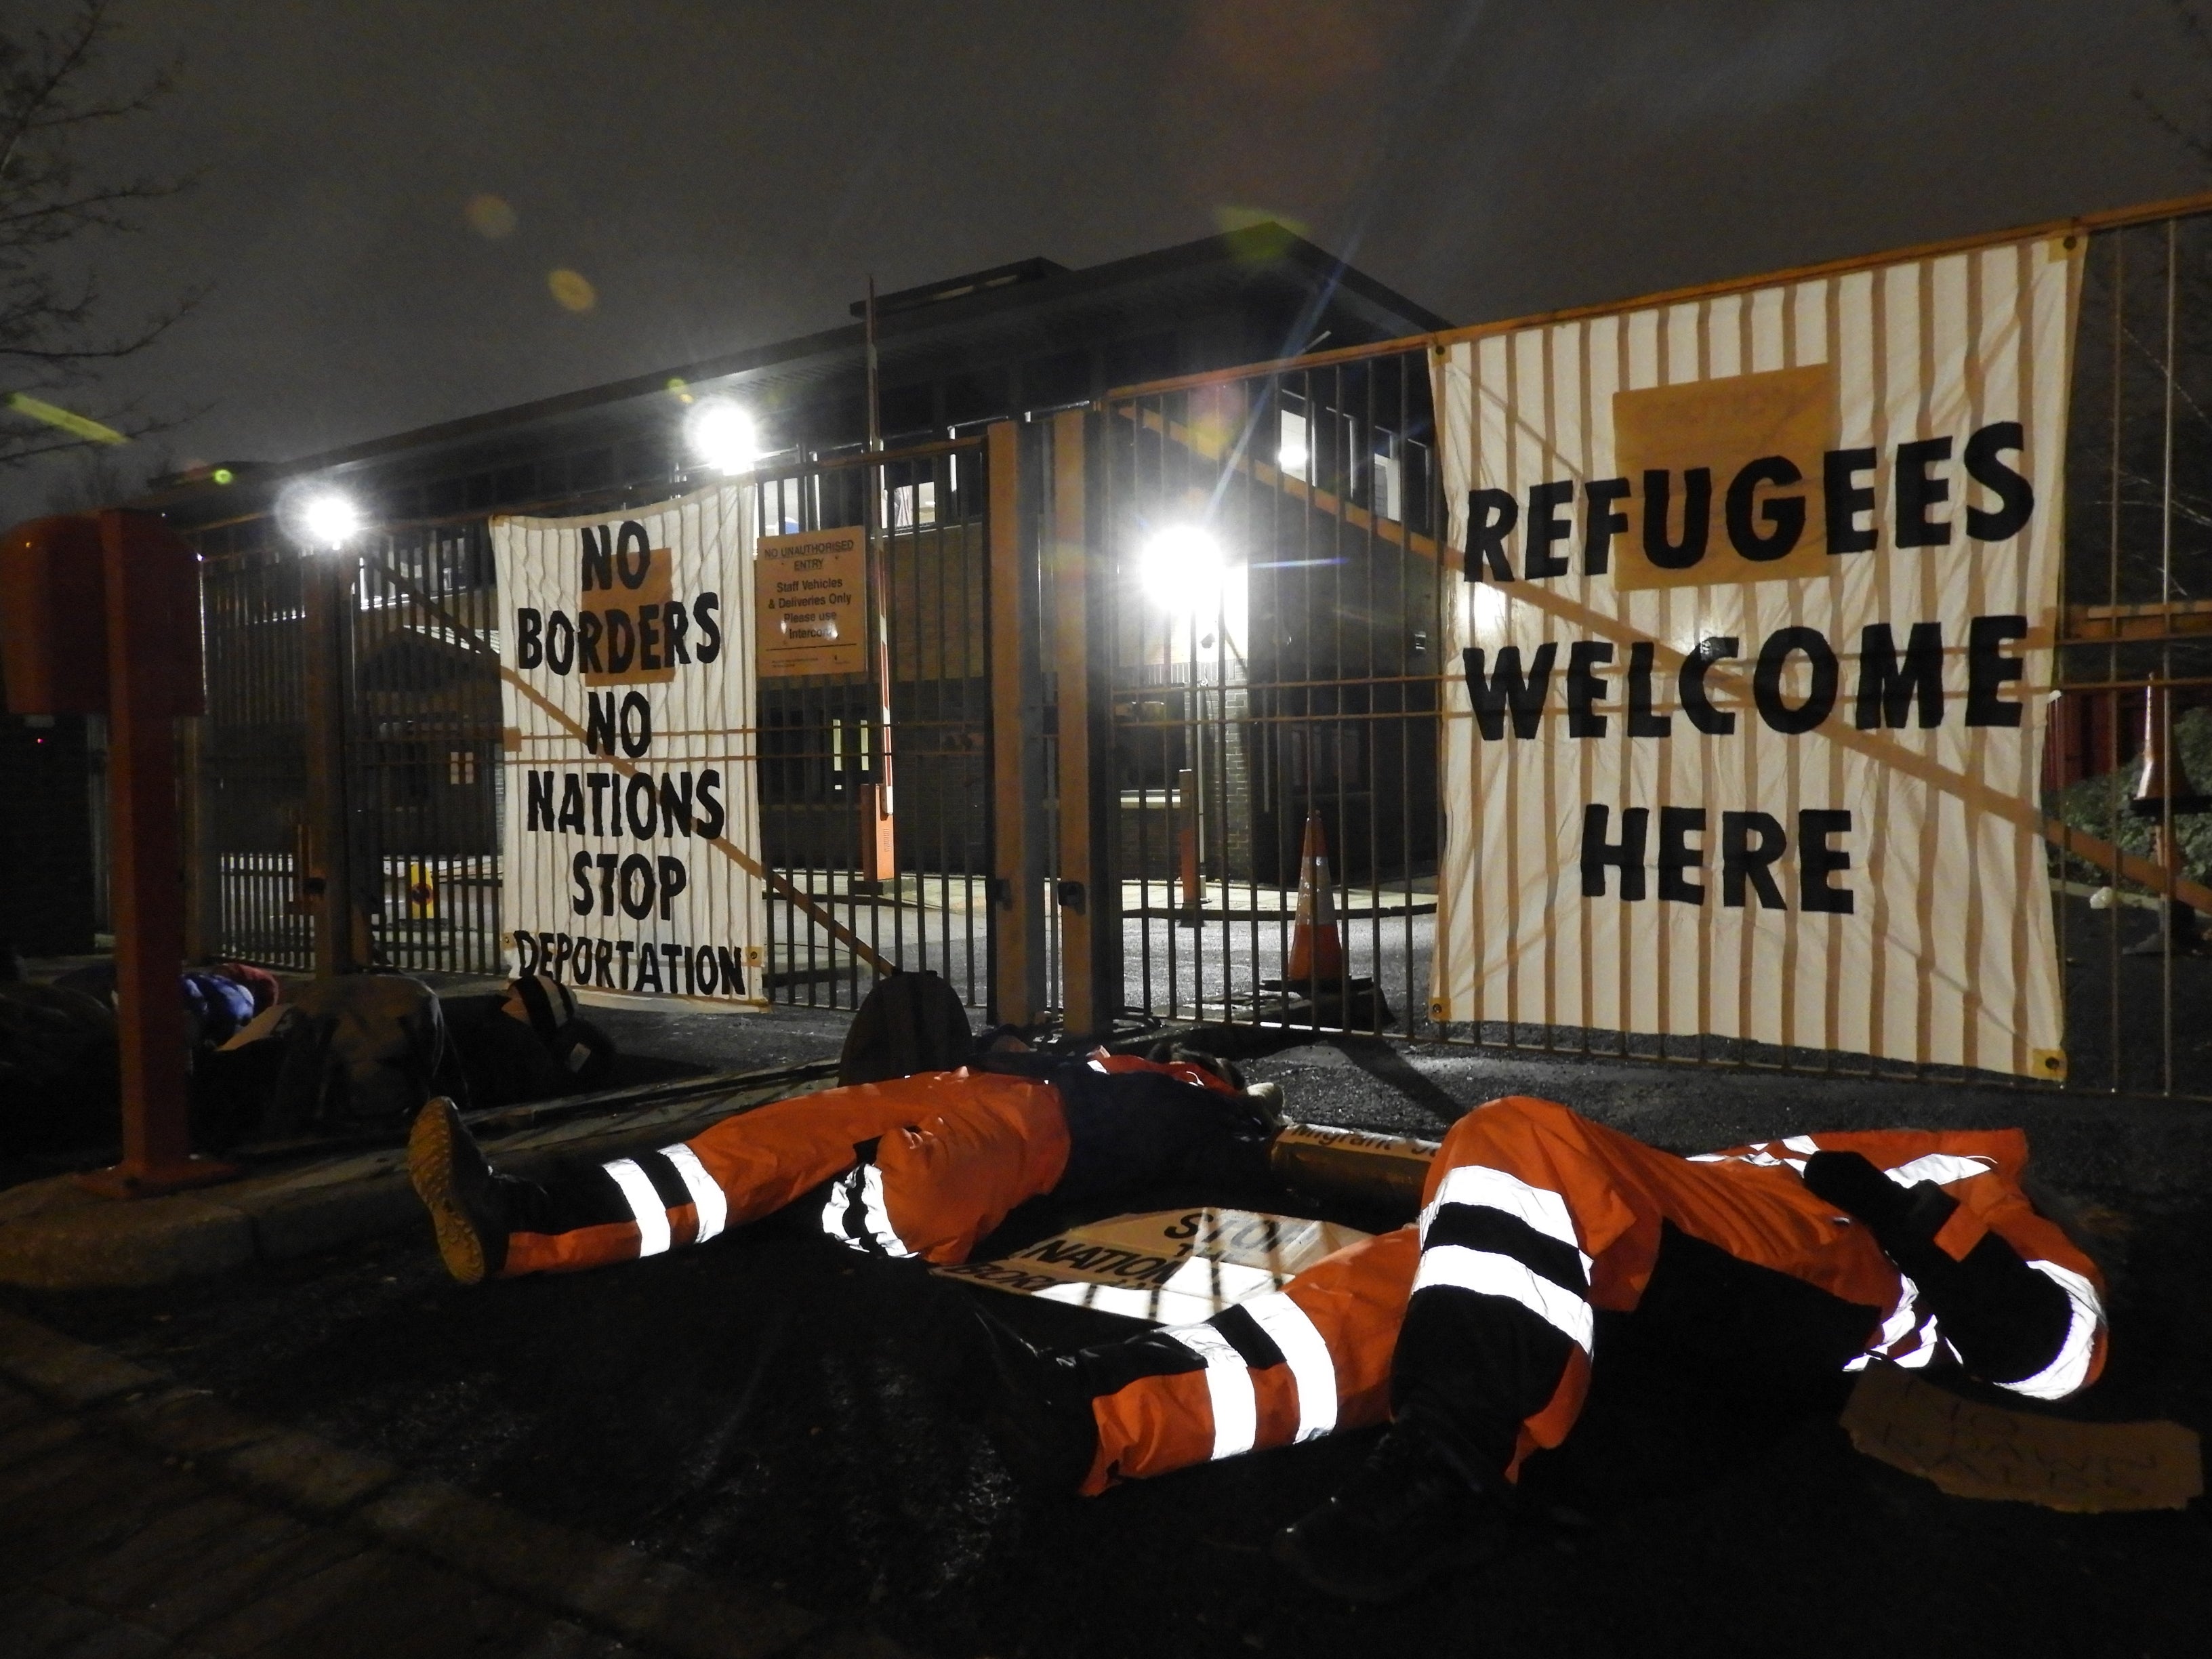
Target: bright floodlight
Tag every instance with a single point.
(721, 436)
(1182, 569)
(321, 517)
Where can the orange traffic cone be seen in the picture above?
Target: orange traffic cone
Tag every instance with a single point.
(1316, 946)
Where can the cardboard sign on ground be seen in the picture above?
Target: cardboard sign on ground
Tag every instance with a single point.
(1973, 1450)
(1171, 1268)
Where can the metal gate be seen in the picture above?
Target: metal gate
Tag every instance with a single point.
(1130, 656)
(1268, 540)
(1274, 638)
(421, 745)
(251, 776)
(888, 836)
(891, 841)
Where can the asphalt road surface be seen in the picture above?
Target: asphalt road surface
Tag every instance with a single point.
(776, 1410)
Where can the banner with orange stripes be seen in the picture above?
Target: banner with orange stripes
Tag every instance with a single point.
(1753, 605)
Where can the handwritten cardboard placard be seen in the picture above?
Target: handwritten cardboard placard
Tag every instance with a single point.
(1169, 1267)
(1973, 1450)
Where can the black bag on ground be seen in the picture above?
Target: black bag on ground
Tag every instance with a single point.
(529, 1043)
(58, 1069)
(913, 1021)
(584, 1052)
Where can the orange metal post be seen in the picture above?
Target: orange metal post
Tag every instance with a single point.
(1017, 791)
(152, 579)
(103, 615)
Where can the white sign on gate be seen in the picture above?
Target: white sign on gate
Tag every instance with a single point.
(1754, 597)
(632, 830)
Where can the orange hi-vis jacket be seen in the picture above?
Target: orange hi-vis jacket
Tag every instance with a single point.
(1534, 1217)
(923, 1166)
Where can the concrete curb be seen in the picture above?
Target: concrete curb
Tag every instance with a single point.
(661, 1607)
(55, 1235)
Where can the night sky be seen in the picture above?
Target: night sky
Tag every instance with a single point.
(388, 189)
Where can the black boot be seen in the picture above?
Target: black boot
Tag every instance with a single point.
(1033, 1405)
(1408, 1515)
(465, 1197)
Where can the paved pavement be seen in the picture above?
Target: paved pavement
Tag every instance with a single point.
(138, 1517)
(54, 1235)
(767, 1419)
(770, 1411)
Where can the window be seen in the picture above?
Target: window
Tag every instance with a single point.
(780, 513)
(1389, 480)
(909, 506)
(1292, 455)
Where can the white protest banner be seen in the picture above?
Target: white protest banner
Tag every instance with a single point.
(1750, 661)
(632, 834)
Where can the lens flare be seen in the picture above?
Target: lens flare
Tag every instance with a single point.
(77, 426)
(490, 216)
(572, 290)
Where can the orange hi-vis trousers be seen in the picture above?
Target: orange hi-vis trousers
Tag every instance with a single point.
(1480, 1318)
(922, 1166)
(918, 1166)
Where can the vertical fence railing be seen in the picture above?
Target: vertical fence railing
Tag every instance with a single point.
(2135, 662)
(424, 746)
(824, 749)
(1310, 685)
(253, 757)
(423, 725)
(1275, 595)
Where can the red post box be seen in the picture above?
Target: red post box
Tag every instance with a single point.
(100, 614)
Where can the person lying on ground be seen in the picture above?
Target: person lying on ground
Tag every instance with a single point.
(919, 1166)
(1471, 1331)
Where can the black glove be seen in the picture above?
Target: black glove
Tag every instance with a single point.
(1903, 1220)
(2005, 1319)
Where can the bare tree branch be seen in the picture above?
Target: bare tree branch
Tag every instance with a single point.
(56, 330)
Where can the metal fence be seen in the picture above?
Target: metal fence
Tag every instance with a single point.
(422, 747)
(1274, 641)
(2137, 669)
(252, 774)
(419, 676)
(422, 742)
(1288, 669)
(918, 892)
(1279, 678)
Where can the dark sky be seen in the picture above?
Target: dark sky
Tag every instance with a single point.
(728, 174)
